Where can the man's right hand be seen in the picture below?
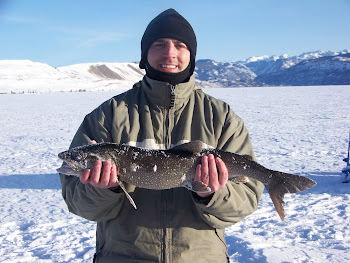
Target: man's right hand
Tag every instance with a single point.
(102, 175)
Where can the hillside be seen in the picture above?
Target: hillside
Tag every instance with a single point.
(25, 76)
(307, 69)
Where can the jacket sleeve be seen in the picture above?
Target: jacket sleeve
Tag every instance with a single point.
(92, 203)
(237, 200)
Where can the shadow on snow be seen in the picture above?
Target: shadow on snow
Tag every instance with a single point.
(328, 182)
(239, 251)
(30, 181)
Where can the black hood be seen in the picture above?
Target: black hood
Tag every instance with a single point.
(169, 24)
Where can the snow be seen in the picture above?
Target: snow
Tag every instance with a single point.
(25, 76)
(122, 70)
(296, 59)
(255, 59)
(303, 130)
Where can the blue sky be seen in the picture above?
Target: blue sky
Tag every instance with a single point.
(65, 32)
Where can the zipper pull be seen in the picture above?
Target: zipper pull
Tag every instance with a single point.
(173, 90)
(172, 96)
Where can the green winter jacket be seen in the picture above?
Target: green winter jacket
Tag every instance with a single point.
(172, 225)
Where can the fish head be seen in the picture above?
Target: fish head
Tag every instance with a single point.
(78, 159)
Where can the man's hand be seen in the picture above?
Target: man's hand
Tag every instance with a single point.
(103, 175)
(212, 172)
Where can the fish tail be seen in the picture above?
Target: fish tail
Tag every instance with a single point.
(283, 183)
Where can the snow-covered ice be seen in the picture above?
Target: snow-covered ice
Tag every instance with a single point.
(303, 130)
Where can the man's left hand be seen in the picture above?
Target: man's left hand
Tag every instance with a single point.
(212, 172)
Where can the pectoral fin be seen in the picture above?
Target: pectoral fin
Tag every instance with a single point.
(197, 187)
(122, 186)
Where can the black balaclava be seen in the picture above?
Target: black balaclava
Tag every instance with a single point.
(169, 24)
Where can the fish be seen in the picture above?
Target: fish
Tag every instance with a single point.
(175, 167)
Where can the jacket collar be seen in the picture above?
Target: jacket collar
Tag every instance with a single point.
(160, 93)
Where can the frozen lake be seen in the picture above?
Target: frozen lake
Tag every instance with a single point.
(302, 130)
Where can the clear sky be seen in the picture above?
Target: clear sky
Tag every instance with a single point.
(65, 32)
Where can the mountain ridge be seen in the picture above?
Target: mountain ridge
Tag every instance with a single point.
(310, 68)
(307, 69)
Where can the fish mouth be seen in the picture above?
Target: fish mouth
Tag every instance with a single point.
(70, 170)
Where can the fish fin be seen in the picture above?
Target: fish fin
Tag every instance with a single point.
(194, 147)
(196, 186)
(122, 186)
(283, 183)
(241, 179)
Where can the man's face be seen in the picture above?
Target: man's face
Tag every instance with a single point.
(168, 55)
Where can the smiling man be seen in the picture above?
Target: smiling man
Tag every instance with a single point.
(168, 48)
(168, 55)
(165, 109)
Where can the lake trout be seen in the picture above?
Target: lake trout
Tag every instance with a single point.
(175, 167)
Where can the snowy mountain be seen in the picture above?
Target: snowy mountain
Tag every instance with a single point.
(327, 70)
(312, 68)
(307, 69)
(25, 76)
(267, 65)
(227, 74)
(104, 71)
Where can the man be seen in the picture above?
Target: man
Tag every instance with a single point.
(165, 109)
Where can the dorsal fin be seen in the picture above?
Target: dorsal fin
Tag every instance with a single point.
(194, 147)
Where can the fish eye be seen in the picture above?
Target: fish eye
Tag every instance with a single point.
(76, 156)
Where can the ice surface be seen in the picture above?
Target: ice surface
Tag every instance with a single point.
(303, 130)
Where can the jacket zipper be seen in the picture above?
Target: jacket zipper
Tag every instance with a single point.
(172, 96)
(167, 246)
(168, 121)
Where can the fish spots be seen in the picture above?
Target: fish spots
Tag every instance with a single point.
(183, 178)
(134, 155)
(163, 153)
(134, 167)
(155, 168)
